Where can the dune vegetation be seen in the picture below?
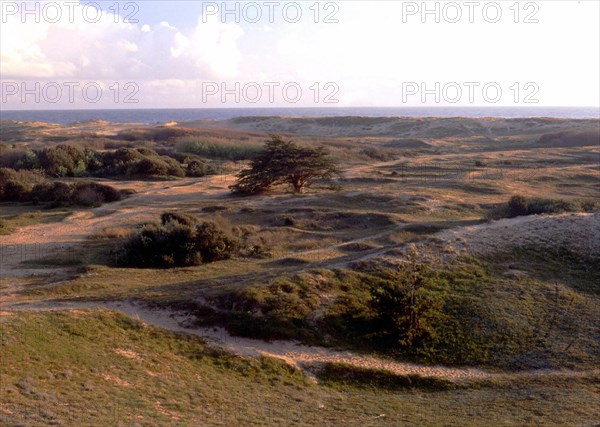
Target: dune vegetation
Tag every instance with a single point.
(377, 271)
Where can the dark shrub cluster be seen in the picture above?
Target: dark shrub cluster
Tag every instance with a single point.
(196, 168)
(520, 206)
(71, 161)
(59, 161)
(16, 185)
(139, 161)
(65, 160)
(87, 194)
(179, 241)
(32, 186)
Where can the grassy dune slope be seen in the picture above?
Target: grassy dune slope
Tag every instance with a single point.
(100, 368)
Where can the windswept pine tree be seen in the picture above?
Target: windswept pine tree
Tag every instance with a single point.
(285, 163)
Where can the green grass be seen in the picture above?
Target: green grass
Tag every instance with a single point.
(101, 368)
(102, 282)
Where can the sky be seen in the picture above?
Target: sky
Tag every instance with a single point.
(192, 54)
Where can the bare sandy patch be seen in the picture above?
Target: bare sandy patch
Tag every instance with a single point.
(116, 380)
(128, 354)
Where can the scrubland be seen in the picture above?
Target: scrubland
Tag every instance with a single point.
(295, 311)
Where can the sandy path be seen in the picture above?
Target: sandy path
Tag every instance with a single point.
(291, 352)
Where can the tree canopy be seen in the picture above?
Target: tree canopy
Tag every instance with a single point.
(285, 163)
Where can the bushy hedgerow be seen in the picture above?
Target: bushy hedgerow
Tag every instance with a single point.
(177, 242)
(66, 160)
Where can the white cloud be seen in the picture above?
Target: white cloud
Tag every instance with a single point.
(369, 53)
(105, 49)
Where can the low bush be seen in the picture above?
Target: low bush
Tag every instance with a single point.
(177, 242)
(183, 219)
(16, 185)
(93, 194)
(196, 169)
(140, 162)
(17, 158)
(32, 186)
(86, 194)
(65, 160)
(517, 206)
(521, 206)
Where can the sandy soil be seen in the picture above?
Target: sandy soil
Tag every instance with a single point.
(579, 232)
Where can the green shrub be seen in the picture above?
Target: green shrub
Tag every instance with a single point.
(93, 194)
(214, 243)
(151, 166)
(124, 155)
(62, 160)
(518, 206)
(173, 167)
(183, 219)
(16, 185)
(16, 158)
(177, 242)
(196, 169)
(139, 161)
(85, 194)
(406, 307)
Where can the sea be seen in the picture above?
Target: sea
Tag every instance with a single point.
(155, 116)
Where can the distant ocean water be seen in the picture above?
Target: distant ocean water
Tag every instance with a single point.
(152, 116)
